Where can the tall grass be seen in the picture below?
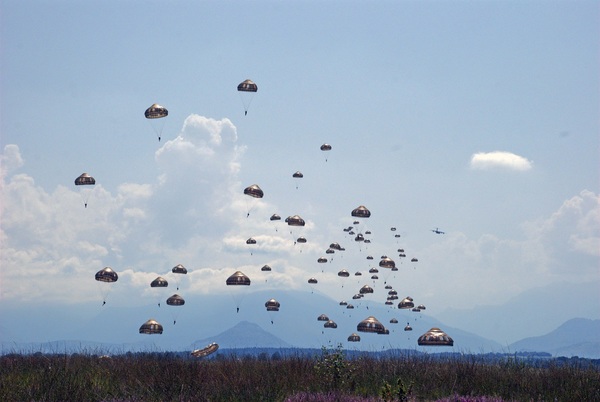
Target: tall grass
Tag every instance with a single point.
(327, 376)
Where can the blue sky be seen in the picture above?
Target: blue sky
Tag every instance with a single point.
(480, 118)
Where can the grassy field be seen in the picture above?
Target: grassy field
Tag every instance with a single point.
(327, 376)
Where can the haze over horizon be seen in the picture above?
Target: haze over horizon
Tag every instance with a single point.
(477, 119)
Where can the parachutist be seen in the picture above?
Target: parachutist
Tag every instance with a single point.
(158, 139)
(104, 302)
(85, 205)
(248, 214)
(245, 112)
(238, 309)
(158, 304)
(271, 322)
(174, 322)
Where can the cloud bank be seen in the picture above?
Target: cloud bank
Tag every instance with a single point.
(500, 160)
(195, 213)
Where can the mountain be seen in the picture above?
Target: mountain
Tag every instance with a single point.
(244, 334)
(531, 313)
(114, 327)
(576, 337)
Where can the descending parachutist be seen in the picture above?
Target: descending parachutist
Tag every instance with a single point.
(104, 302)
(271, 322)
(158, 139)
(238, 309)
(245, 112)
(158, 304)
(174, 322)
(85, 205)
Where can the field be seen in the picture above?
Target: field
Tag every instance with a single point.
(329, 375)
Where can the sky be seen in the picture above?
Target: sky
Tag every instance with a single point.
(477, 118)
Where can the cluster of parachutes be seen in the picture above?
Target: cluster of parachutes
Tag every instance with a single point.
(237, 281)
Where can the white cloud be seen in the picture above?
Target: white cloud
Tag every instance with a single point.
(500, 159)
(195, 214)
(10, 160)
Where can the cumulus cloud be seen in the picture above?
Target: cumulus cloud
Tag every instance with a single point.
(500, 160)
(10, 160)
(195, 214)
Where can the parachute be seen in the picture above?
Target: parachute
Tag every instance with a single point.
(330, 324)
(154, 112)
(175, 300)
(179, 270)
(354, 337)
(209, 349)
(253, 191)
(106, 275)
(272, 306)
(247, 89)
(361, 212)
(325, 147)
(323, 317)
(406, 303)
(85, 179)
(151, 327)
(371, 324)
(435, 337)
(297, 175)
(238, 279)
(159, 282)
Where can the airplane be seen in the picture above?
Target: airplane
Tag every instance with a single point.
(437, 231)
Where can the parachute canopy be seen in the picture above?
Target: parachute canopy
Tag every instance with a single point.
(272, 305)
(273, 217)
(330, 324)
(344, 273)
(295, 220)
(254, 191)
(151, 327)
(159, 282)
(85, 179)
(325, 147)
(370, 324)
(323, 317)
(354, 337)
(247, 86)
(247, 89)
(156, 111)
(179, 269)
(406, 303)
(238, 278)
(175, 300)
(298, 175)
(435, 337)
(365, 289)
(361, 212)
(106, 275)
(387, 262)
(209, 349)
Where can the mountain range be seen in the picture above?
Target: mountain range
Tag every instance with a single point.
(205, 320)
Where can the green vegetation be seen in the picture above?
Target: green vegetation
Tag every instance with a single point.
(327, 376)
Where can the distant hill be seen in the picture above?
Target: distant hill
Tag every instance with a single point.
(531, 313)
(114, 328)
(576, 337)
(243, 335)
